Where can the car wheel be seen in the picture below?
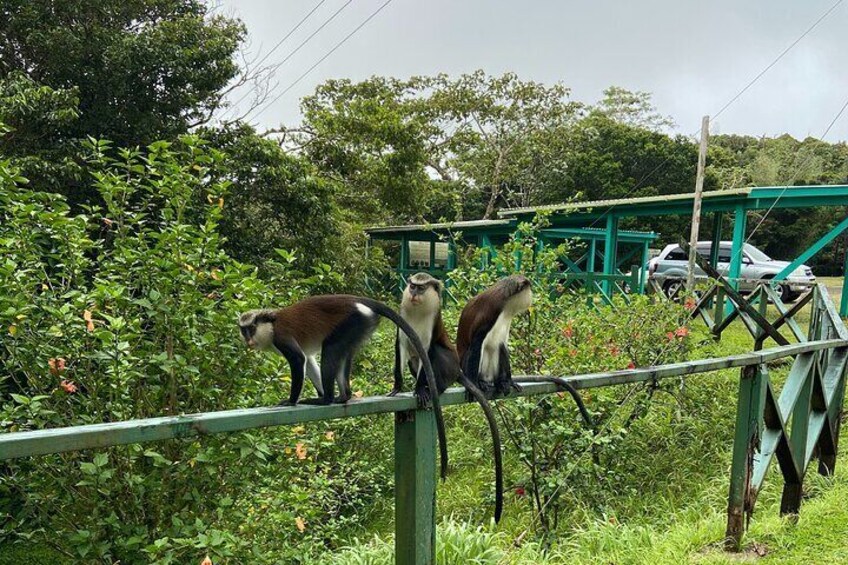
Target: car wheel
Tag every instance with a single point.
(784, 292)
(672, 288)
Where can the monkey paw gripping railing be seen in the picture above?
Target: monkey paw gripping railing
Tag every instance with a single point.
(811, 398)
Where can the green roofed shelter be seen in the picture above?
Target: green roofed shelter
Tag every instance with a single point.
(597, 223)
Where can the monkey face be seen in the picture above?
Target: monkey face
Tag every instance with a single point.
(520, 294)
(423, 290)
(256, 331)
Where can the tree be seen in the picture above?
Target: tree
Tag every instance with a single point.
(633, 109)
(275, 200)
(436, 147)
(132, 72)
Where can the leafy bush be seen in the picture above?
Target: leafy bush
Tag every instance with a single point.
(128, 311)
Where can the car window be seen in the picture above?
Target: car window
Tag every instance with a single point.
(676, 254)
(756, 254)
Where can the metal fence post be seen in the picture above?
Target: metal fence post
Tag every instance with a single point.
(745, 441)
(415, 487)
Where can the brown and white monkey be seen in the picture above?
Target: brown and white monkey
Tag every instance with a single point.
(335, 326)
(421, 307)
(482, 337)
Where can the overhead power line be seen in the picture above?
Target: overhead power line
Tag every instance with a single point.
(323, 58)
(731, 101)
(299, 47)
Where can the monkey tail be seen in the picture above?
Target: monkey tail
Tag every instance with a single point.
(496, 442)
(390, 314)
(567, 386)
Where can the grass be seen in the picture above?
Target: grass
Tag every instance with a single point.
(678, 515)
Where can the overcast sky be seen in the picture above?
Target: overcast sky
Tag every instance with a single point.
(693, 56)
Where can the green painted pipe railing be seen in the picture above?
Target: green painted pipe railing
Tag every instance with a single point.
(812, 397)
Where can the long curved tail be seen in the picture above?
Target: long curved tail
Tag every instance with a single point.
(390, 314)
(567, 386)
(496, 441)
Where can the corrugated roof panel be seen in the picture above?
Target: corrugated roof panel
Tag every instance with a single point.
(622, 201)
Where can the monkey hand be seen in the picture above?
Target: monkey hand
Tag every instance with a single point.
(425, 400)
(395, 391)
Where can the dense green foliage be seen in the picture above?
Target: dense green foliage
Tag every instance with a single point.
(127, 311)
(132, 72)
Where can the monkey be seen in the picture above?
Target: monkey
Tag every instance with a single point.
(421, 307)
(483, 332)
(336, 326)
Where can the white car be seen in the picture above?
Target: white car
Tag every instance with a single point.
(670, 266)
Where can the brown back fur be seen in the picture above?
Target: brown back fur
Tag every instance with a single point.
(483, 310)
(312, 319)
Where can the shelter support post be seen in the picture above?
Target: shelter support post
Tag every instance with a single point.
(643, 267)
(415, 487)
(404, 262)
(740, 217)
(718, 220)
(610, 252)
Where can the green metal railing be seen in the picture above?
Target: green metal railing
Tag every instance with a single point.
(812, 398)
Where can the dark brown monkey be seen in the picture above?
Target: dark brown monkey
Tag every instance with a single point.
(481, 339)
(483, 334)
(335, 326)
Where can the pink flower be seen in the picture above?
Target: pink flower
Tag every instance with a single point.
(68, 386)
(56, 365)
(682, 331)
(689, 304)
(670, 336)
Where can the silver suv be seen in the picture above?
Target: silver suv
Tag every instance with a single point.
(669, 269)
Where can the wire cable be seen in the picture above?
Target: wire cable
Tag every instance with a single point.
(730, 102)
(291, 54)
(322, 59)
(277, 46)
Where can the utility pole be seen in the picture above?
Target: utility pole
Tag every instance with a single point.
(696, 209)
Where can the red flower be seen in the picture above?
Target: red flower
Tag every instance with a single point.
(689, 304)
(631, 365)
(68, 386)
(682, 331)
(519, 491)
(670, 336)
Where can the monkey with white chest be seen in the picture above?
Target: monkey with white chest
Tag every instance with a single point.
(483, 333)
(335, 326)
(421, 307)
